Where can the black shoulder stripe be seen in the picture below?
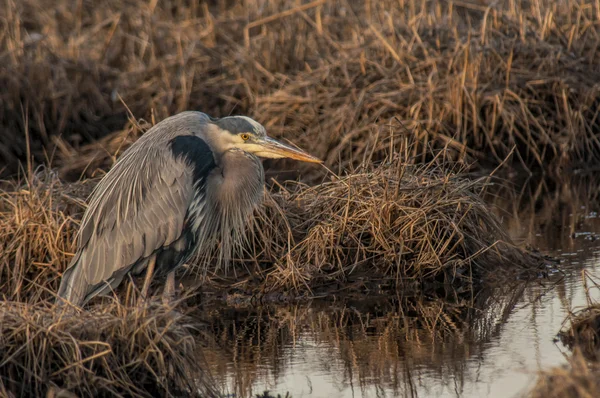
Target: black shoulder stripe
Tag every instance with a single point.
(196, 152)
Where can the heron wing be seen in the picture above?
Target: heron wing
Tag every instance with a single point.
(140, 206)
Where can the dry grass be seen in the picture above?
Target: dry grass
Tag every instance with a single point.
(389, 227)
(579, 379)
(473, 80)
(481, 77)
(111, 350)
(584, 332)
(395, 223)
(38, 223)
(581, 376)
(384, 227)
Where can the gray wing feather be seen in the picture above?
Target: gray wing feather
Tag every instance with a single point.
(137, 208)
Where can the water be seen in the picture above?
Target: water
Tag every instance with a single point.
(386, 348)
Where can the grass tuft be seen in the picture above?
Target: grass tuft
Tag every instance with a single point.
(576, 380)
(584, 332)
(39, 218)
(111, 350)
(398, 223)
(580, 377)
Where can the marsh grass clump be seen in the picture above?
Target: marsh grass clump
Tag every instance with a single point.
(578, 379)
(395, 223)
(389, 225)
(584, 332)
(38, 222)
(110, 350)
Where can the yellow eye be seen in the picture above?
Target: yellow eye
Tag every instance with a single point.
(245, 136)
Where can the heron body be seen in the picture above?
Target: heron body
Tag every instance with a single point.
(190, 182)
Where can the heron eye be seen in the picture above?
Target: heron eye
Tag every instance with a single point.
(245, 136)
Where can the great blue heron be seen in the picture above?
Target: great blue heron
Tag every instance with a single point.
(188, 182)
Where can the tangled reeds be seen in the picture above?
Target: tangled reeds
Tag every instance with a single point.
(580, 377)
(481, 78)
(396, 223)
(584, 332)
(112, 350)
(38, 223)
(392, 224)
(387, 225)
(476, 80)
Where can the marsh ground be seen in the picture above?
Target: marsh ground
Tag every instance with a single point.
(408, 102)
(378, 348)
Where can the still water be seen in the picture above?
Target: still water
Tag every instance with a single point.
(488, 344)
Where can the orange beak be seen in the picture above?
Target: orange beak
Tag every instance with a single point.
(271, 148)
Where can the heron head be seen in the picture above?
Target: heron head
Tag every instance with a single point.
(248, 135)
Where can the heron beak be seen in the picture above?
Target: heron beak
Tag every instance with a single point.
(270, 148)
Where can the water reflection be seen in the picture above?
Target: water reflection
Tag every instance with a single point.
(445, 343)
(379, 345)
(552, 215)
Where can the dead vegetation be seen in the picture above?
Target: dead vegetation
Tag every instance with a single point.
(112, 350)
(584, 332)
(469, 80)
(480, 77)
(38, 223)
(400, 224)
(386, 226)
(578, 379)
